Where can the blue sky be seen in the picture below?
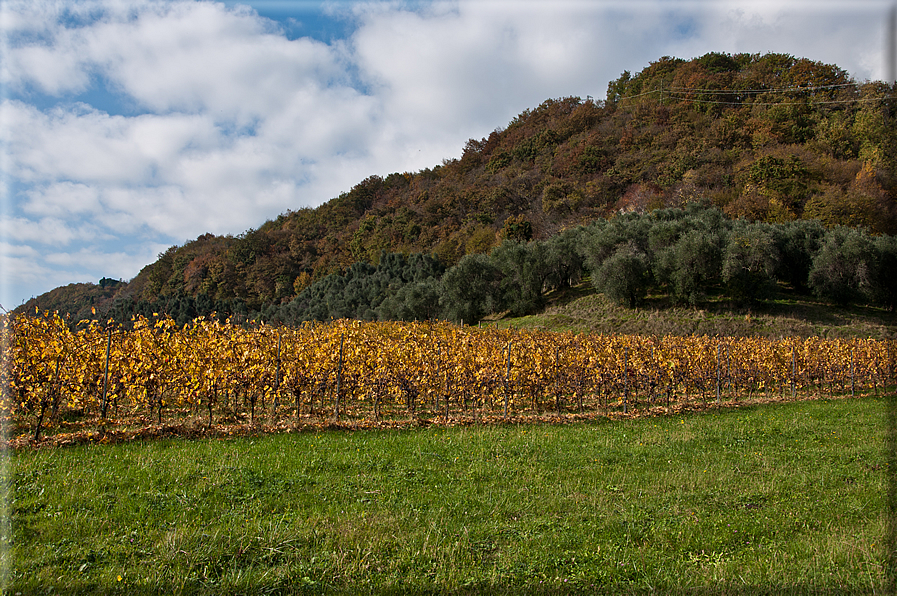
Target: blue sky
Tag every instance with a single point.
(133, 125)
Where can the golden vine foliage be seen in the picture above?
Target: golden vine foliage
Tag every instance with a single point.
(356, 369)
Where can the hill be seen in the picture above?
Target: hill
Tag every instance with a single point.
(768, 138)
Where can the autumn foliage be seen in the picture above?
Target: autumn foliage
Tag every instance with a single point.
(769, 138)
(216, 372)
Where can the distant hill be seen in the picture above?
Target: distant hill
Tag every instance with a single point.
(767, 138)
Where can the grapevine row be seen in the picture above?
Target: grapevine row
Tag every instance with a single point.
(377, 370)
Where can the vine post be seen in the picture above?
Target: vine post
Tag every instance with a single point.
(718, 372)
(793, 372)
(626, 379)
(507, 378)
(277, 375)
(557, 379)
(728, 370)
(106, 375)
(339, 373)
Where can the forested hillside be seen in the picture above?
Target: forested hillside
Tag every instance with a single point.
(770, 139)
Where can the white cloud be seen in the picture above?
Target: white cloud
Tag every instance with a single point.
(51, 231)
(91, 260)
(51, 70)
(822, 31)
(199, 57)
(62, 199)
(28, 273)
(80, 143)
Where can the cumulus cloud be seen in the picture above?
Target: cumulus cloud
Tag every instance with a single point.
(823, 31)
(135, 124)
(51, 231)
(200, 57)
(61, 199)
(465, 68)
(90, 260)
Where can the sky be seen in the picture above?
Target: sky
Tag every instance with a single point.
(129, 126)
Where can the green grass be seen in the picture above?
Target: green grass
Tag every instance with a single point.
(780, 498)
(583, 310)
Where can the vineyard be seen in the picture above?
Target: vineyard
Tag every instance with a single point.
(213, 372)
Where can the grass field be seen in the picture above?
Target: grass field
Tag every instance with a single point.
(581, 309)
(785, 498)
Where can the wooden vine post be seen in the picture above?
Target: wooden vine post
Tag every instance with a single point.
(718, 372)
(445, 399)
(106, 375)
(507, 379)
(625, 379)
(793, 373)
(654, 373)
(557, 379)
(339, 373)
(277, 376)
(729, 370)
(890, 364)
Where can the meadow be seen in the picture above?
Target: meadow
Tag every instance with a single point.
(777, 498)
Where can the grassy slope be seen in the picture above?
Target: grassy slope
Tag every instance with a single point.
(782, 498)
(580, 309)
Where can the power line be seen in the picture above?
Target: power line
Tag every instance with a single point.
(677, 92)
(740, 91)
(640, 94)
(787, 103)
